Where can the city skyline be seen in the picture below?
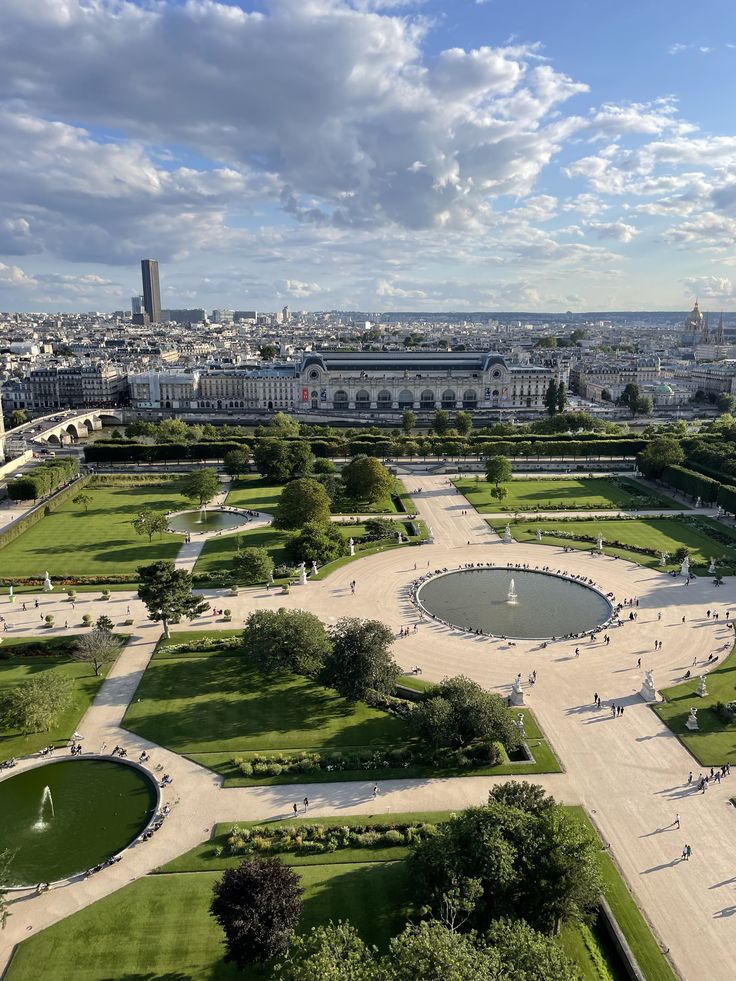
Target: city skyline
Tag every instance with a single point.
(368, 154)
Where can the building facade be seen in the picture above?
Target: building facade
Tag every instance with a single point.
(338, 382)
(73, 387)
(151, 290)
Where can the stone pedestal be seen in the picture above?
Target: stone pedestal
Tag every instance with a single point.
(517, 696)
(692, 721)
(507, 539)
(702, 690)
(648, 692)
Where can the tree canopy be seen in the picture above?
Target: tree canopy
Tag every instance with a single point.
(302, 500)
(150, 522)
(258, 905)
(458, 712)
(96, 648)
(366, 479)
(360, 660)
(201, 485)
(252, 565)
(498, 469)
(167, 593)
(236, 462)
(37, 704)
(288, 640)
(662, 452)
(317, 541)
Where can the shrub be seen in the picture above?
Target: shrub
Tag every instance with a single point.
(86, 620)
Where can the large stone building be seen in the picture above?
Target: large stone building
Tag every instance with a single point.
(344, 382)
(67, 387)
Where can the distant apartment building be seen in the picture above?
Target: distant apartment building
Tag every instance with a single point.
(714, 378)
(72, 387)
(591, 380)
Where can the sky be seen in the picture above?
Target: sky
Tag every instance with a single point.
(531, 155)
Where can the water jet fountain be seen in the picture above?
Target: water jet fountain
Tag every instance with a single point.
(513, 596)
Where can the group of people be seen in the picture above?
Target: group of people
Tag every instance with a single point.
(157, 823)
(112, 860)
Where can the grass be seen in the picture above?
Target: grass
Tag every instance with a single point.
(659, 534)
(715, 741)
(570, 493)
(386, 505)
(212, 706)
(159, 926)
(101, 541)
(16, 670)
(254, 493)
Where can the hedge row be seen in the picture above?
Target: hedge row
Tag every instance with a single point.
(44, 478)
(33, 517)
(693, 484)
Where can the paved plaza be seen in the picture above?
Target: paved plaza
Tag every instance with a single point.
(629, 772)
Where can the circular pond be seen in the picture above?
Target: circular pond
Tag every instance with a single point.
(68, 816)
(206, 522)
(538, 605)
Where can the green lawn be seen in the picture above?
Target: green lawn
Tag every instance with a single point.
(715, 741)
(218, 704)
(660, 534)
(213, 706)
(386, 505)
(571, 494)
(98, 542)
(255, 493)
(15, 670)
(159, 927)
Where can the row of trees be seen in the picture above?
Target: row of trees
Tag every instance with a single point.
(43, 479)
(493, 884)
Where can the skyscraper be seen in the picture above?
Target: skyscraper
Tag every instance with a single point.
(151, 290)
(137, 304)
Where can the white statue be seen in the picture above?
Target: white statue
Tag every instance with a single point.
(302, 574)
(314, 568)
(648, 691)
(430, 535)
(399, 538)
(351, 544)
(692, 720)
(520, 725)
(507, 539)
(599, 542)
(538, 535)
(712, 566)
(702, 690)
(47, 587)
(11, 597)
(663, 558)
(699, 502)
(517, 692)
(685, 567)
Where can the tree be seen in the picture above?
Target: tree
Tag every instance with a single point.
(366, 479)
(18, 417)
(104, 622)
(96, 648)
(172, 431)
(252, 565)
(84, 500)
(377, 528)
(35, 705)
(526, 796)
(606, 395)
(335, 952)
(361, 659)
(286, 640)
(236, 462)
(550, 397)
(660, 453)
(268, 352)
(302, 501)
(441, 422)
(284, 425)
(324, 467)
(201, 485)
(258, 905)
(726, 402)
(646, 405)
(408, 421)
(458, 712)
(319, 542)
(300, 460)
(150, 523)
(540, 866)
(561, 397)
(528, 955)
(499, 493)
(6, 857)
(167, 594)
(630, 398)
(432, 952)
(271, 457)
(498, 469)
(463, 423)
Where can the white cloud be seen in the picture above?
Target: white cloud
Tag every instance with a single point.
(615, 231)
(711, 288)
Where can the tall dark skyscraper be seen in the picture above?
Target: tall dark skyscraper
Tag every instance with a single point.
(151, 290)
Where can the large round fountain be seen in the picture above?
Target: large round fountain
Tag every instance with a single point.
(69, 815)
(206, 521)
(514, 603)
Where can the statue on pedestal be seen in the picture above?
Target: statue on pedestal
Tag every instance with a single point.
(351, 545)
(702, 690)
(648, 691)
(11, 597)
(685, 567)
(430, 535)
(302, 574)
(517, 692)
(599, 542)
(520, 725)
(692, 720)
(507, 539)
(47, 587)
(538, 535)
(712, 566)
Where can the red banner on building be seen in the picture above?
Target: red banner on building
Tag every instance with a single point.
(305, 395)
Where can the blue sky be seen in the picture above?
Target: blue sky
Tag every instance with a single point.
(371, 154)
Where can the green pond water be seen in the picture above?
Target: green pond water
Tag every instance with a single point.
(68, 816)
(191, 521)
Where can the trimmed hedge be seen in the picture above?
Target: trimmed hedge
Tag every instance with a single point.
(692, 484)
(43, 479)
(27, 521)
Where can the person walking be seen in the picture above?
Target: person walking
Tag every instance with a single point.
(688, 852)
(375, 790)
(306, 803)
(677, 821)
(296, 810)
(685, 855)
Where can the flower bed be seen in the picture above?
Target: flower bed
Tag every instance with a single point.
(312, 839)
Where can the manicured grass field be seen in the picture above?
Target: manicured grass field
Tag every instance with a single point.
(660, 534)
(255, 493)
(212, 706)
(715, 741)
(16, 670)
(71, 541)
(218, 704)
(571, 494)
(159, 926)
(386, 505)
